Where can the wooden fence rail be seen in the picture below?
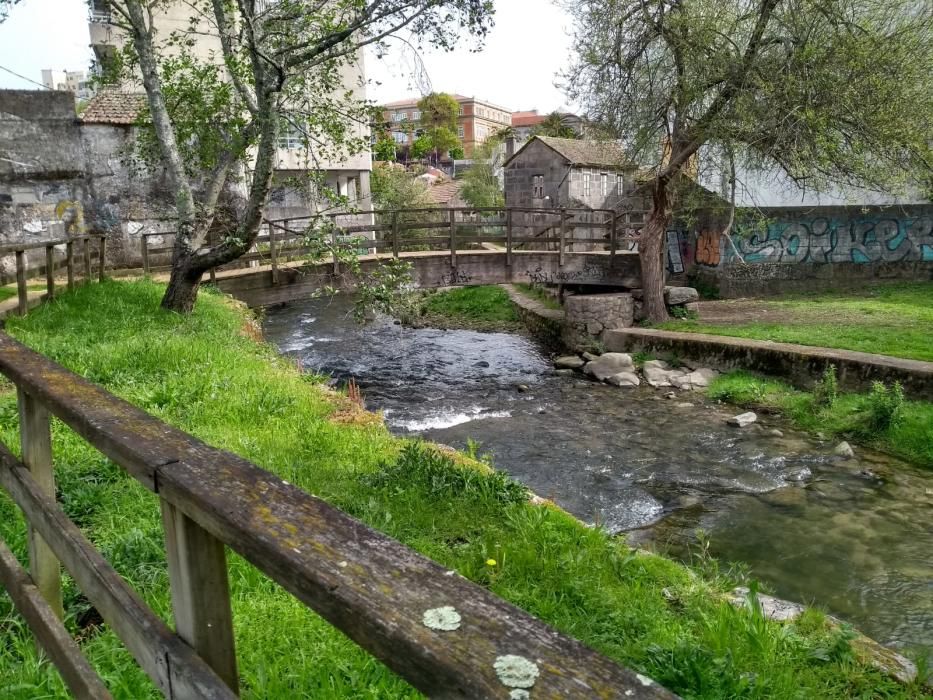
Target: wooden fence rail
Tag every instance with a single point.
(371, 587)
(283, 240)
(24, 272)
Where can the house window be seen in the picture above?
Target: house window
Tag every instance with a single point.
(400, 136)
(586, 183)
(538, 187)
(290, 139)
(416, 115)
(398, 117)
(604, 184)
(460, 111)
(460, 131)
(619, 183)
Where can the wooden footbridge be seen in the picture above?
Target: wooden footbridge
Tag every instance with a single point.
(447, 636)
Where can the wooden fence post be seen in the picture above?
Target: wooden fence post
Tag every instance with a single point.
(35, 437)
(50, 271)
(197, 570)
(87, 259)
(21, 290)
(563, 233)
(70, 263)
(508, 238)
(273, 254)
(333, 245)
(394, 234)
(612, 240)
(212, 274)
(102, 258)
(453, 238)
(144, 249)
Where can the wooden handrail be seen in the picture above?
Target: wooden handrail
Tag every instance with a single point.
(371, 587)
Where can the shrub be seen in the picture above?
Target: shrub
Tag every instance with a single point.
(884, 408)
(826, 390)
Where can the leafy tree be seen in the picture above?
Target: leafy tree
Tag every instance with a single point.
(393, 187)
(439, 113)
(276, 66)
(481, 187)
(555, 124)
(456, 153)
(825, 91)
(384, 149)
(421, 146)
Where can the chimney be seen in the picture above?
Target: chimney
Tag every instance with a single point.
(509, 147)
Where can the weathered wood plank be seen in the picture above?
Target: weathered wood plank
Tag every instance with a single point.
(21, 292)
(175, 668)
(102, 259)
(36, 444)
(70, 263)
(197, 569)
(377, 591)
(76, 671)
(87, 260)
(50, 271)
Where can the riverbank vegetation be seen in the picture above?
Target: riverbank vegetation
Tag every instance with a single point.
(882, 418)
(893, 319)
(207, 374)
(486, 308)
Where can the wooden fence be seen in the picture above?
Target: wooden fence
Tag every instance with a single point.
(375, 590)
(398, 231)
(52, 265)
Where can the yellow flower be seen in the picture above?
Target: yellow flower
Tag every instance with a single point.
(490, 562)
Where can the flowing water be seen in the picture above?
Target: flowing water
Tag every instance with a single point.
(853, 536)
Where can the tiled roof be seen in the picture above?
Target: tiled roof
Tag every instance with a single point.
(527, 118)
(584, 152)
(114, 107)
(445, 192)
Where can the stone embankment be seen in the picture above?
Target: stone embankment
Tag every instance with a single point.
(618, 369)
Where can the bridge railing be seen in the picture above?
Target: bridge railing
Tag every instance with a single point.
(512, 229)
(73, 245)
(448, 637)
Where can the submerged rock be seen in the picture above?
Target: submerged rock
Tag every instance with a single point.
(569, 362)
(774, 432)
(743, 419)
(564, 372)
(609, 364)
(844, 449)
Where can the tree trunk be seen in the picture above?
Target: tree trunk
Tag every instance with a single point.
(182, 289)
(651, 253)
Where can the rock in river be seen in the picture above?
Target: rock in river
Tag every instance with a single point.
(624, 379)
(608, 364)
(743, 419)
(569, 362)
(844, 449)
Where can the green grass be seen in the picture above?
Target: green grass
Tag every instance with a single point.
(892, 320)
(477, 307)
(536, 292)
(203, 375)
(9, 291)
(848, 417)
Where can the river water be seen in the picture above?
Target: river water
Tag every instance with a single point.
(852, 536)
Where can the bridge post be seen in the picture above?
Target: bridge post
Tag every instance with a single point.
(50, 271)
(563, 234)
(21, 290)
(212, 274)
(273, 254)
(35, 437)
(144, 250)
(612, 240)
(87, 259)
(101, 258)
(333, 245)
(453, 238)
(395, 234)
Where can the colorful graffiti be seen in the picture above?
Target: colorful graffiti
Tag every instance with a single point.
(861, 240)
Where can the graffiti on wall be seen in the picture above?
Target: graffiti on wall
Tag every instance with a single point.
(863, 240)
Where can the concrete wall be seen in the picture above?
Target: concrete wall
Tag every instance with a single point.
(817, 248)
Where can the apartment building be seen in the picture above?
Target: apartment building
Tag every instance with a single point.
(75, 81)
(348, 176)
(477, 121)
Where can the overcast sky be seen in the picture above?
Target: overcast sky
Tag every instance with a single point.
(516, 69)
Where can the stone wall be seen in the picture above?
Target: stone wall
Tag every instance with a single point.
(587, 316)
(818, 248)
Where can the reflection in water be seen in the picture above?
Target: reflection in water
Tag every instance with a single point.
(853, 536)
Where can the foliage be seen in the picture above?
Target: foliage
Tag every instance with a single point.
(826, 390)
(884, 408)
(539, 294)
(487, 307)
(268, 70)
(812, 89)
(421, 147)
(556, 124)
(481, 186)
(200, 373)
(893, 319)
(387, 290)
(384, 150)
(456, 153)
(439, 112)
(394, 187)
(883, 418)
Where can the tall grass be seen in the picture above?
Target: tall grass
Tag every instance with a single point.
(205, 375)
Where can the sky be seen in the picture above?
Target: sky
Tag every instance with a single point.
(516, 69)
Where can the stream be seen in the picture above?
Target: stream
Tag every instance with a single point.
(854, 537)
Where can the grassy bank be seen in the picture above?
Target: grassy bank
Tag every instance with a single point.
(868, 418)
(481, 308)
(892, 320)
(204, 374)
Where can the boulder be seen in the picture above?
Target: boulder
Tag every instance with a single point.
(564, 372)
(569, 362)
(743, 419)
(624, 379)
(656, 376)
(608, 364)
(589, 357)
(698, 378)
(675, 296)
(657, 364)
(774, 432)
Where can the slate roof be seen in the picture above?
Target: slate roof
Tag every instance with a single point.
(585, 152)
(114, 107)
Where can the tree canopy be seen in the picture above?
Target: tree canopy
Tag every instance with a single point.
(438, 123)
(825, 91)
(555, 124)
